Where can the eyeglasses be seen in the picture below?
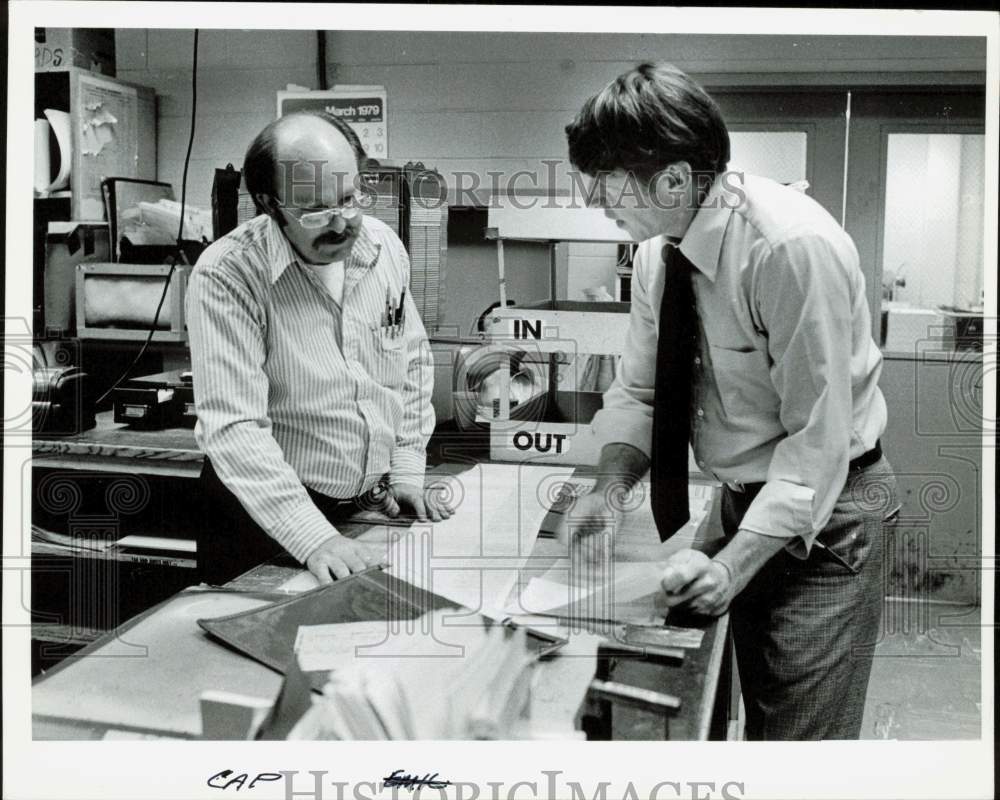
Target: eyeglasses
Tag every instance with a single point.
(350, 209)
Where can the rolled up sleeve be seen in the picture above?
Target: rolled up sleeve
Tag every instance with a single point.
(627, 414)
(234, 430)
(803, 296)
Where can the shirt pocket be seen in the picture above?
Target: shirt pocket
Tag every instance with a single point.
(743, 379)
(389, 354)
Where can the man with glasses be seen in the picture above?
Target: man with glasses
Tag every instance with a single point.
(312, 374)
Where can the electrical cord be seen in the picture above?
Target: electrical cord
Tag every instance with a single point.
(321, 79)
(180, 230)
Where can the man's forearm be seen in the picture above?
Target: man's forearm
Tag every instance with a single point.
(746, 553)
(620, 461)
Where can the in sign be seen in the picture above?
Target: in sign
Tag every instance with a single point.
(525, 329)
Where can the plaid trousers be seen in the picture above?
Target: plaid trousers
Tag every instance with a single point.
(805, 630)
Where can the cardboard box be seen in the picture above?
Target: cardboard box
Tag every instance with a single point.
(88, 48)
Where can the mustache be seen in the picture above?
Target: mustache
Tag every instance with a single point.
(330, 237)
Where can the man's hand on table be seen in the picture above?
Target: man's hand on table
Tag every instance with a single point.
(704, 585)
(339, 557)
(697, 583)
(588, 525)
(426, 504)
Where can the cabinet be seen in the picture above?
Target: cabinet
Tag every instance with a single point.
(112, 134)
(112, 131)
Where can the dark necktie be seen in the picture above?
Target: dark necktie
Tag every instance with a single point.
(675, 352)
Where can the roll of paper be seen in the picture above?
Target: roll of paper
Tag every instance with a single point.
(43, 161)
(60, 122)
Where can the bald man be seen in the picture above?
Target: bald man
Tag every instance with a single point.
(312, 375)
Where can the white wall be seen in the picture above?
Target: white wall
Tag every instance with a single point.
(479, 101)
(474, 101)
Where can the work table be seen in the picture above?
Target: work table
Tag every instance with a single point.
(701, 681)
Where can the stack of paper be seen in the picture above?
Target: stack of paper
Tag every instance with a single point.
(425, 245)
(476, 687)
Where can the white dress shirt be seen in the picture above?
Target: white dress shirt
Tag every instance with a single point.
(786, 377)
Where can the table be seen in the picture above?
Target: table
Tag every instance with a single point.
(701, 681)
(115, 447)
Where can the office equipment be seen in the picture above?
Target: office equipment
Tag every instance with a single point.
(154, 402)
(225, 201)
(134, 239)
(118, 301)
(62, 402)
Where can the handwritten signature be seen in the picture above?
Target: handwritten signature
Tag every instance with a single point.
(411, 782)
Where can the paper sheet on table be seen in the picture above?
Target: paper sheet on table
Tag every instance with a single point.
(329, 647)
(474, 557)
(625, 589)
(630, 594)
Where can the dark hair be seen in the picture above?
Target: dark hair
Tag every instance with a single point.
(259, 166)
(647, 118)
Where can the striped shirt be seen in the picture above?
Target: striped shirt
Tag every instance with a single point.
(293, 389)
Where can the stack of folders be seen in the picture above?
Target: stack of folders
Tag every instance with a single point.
(426, 259)
(465, 682)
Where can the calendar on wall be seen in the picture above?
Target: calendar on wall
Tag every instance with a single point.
(363, 107)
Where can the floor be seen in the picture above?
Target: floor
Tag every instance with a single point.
(925, 681)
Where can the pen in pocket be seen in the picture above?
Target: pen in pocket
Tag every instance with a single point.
(400, 316)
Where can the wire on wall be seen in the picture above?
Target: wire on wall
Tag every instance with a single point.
(179, 257)
(321, 79)
(847, 144)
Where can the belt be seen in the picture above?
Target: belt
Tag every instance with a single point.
(862, 461)
(363, 502)
(866, 459)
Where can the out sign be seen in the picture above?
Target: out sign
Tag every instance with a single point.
(541, 442)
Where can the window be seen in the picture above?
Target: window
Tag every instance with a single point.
(779, 155)
(932, 239)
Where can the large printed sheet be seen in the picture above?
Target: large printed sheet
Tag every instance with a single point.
(488, 557)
